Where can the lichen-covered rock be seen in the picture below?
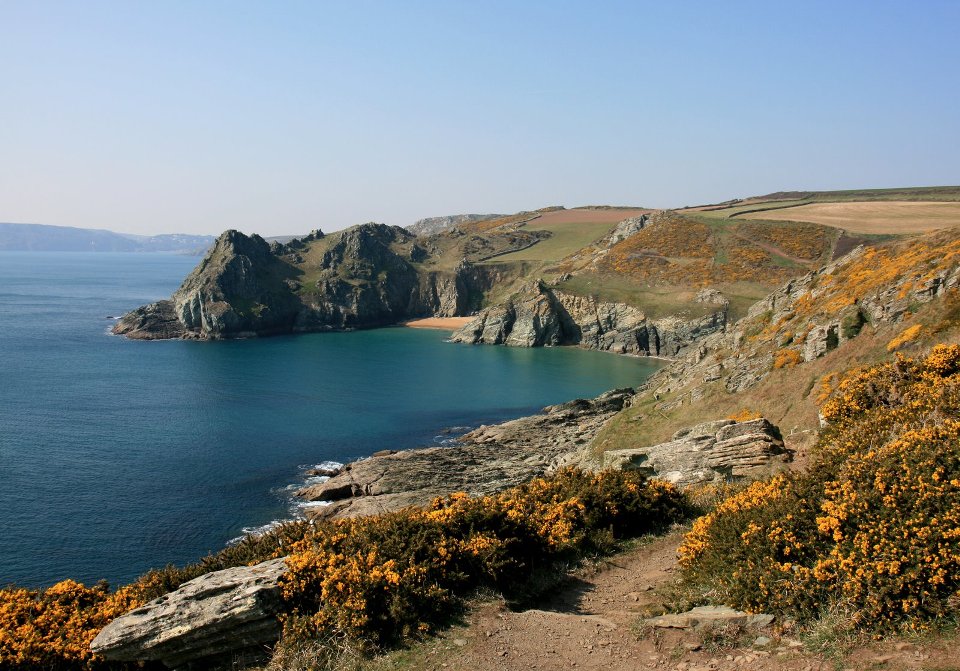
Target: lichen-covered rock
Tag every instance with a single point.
(713, 452)
(213, 618)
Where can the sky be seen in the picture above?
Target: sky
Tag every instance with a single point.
(281, 117)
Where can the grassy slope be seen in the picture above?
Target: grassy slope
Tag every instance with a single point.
(571, 231)
(663, 267)
(789, 396)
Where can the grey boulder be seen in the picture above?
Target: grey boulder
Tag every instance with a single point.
(209, 620)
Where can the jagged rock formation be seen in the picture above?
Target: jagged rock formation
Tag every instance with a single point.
(433, 225)
(240, 288)
(541, 315)
(625, 229)
(713, 452)
(487, 460)
(366, 276)
(215, 618)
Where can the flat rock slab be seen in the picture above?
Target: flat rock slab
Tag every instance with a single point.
(217, 615)
(704, 617)
(712, 452)
(486, 460)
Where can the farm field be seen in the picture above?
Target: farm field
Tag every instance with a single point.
(571, 231)
(875, 217)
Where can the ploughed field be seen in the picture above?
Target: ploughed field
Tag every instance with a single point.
(875, 217)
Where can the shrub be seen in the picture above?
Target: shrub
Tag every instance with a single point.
(380, 580)
(786, 358)
(908, 335)
(53, 628)
(875, 523)
(745, 415)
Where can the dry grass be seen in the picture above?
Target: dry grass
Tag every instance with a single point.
(876, 217)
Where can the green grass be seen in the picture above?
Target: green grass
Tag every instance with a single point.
(566, 239)
(655, 301)
(728, 212)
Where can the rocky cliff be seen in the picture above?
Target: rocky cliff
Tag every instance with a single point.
(542, 315)
(366, 276)
(433, 225)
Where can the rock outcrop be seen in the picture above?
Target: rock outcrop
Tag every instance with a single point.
(433, 225)
(240, 288)
(213, 619)
(625, 229)
(541, 315)
(487, 460)
(713, 452)
(363, 277)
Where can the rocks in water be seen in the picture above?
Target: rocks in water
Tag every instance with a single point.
(324, 471)
(487, 460)
(706, 617)
(542, 315)
(712, 452)
(210, 619)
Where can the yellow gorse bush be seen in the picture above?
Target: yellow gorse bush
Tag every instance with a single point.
(53, 628)
(874, 524)
(376, 579)
(381, 579)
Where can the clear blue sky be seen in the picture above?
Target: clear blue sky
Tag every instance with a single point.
(278, 117)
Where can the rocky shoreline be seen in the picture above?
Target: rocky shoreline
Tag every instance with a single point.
(485, 460)
(496, 457)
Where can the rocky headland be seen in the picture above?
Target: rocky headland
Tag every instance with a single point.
(375, 275)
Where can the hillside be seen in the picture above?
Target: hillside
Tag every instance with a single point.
(641, 266)
(42, 238)
(785, 354)
(836, 393)
(433, 225)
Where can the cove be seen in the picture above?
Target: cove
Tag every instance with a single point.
(119, 456)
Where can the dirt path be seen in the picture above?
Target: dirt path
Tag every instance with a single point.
(770, 249)
(593, 623)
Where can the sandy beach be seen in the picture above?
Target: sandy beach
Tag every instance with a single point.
(446, 323)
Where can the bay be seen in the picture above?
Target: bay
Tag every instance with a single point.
(118, 456)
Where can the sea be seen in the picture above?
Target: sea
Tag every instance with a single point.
(119, 456)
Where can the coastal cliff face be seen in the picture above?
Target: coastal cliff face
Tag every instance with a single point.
(239, 288)
(541, 315)
(367, 276)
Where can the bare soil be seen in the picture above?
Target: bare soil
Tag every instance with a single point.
(876, 217)
(594, 622)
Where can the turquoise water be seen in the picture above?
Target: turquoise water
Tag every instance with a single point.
(117, 456)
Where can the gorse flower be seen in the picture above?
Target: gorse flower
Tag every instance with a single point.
(376, 580)
(874, 524)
